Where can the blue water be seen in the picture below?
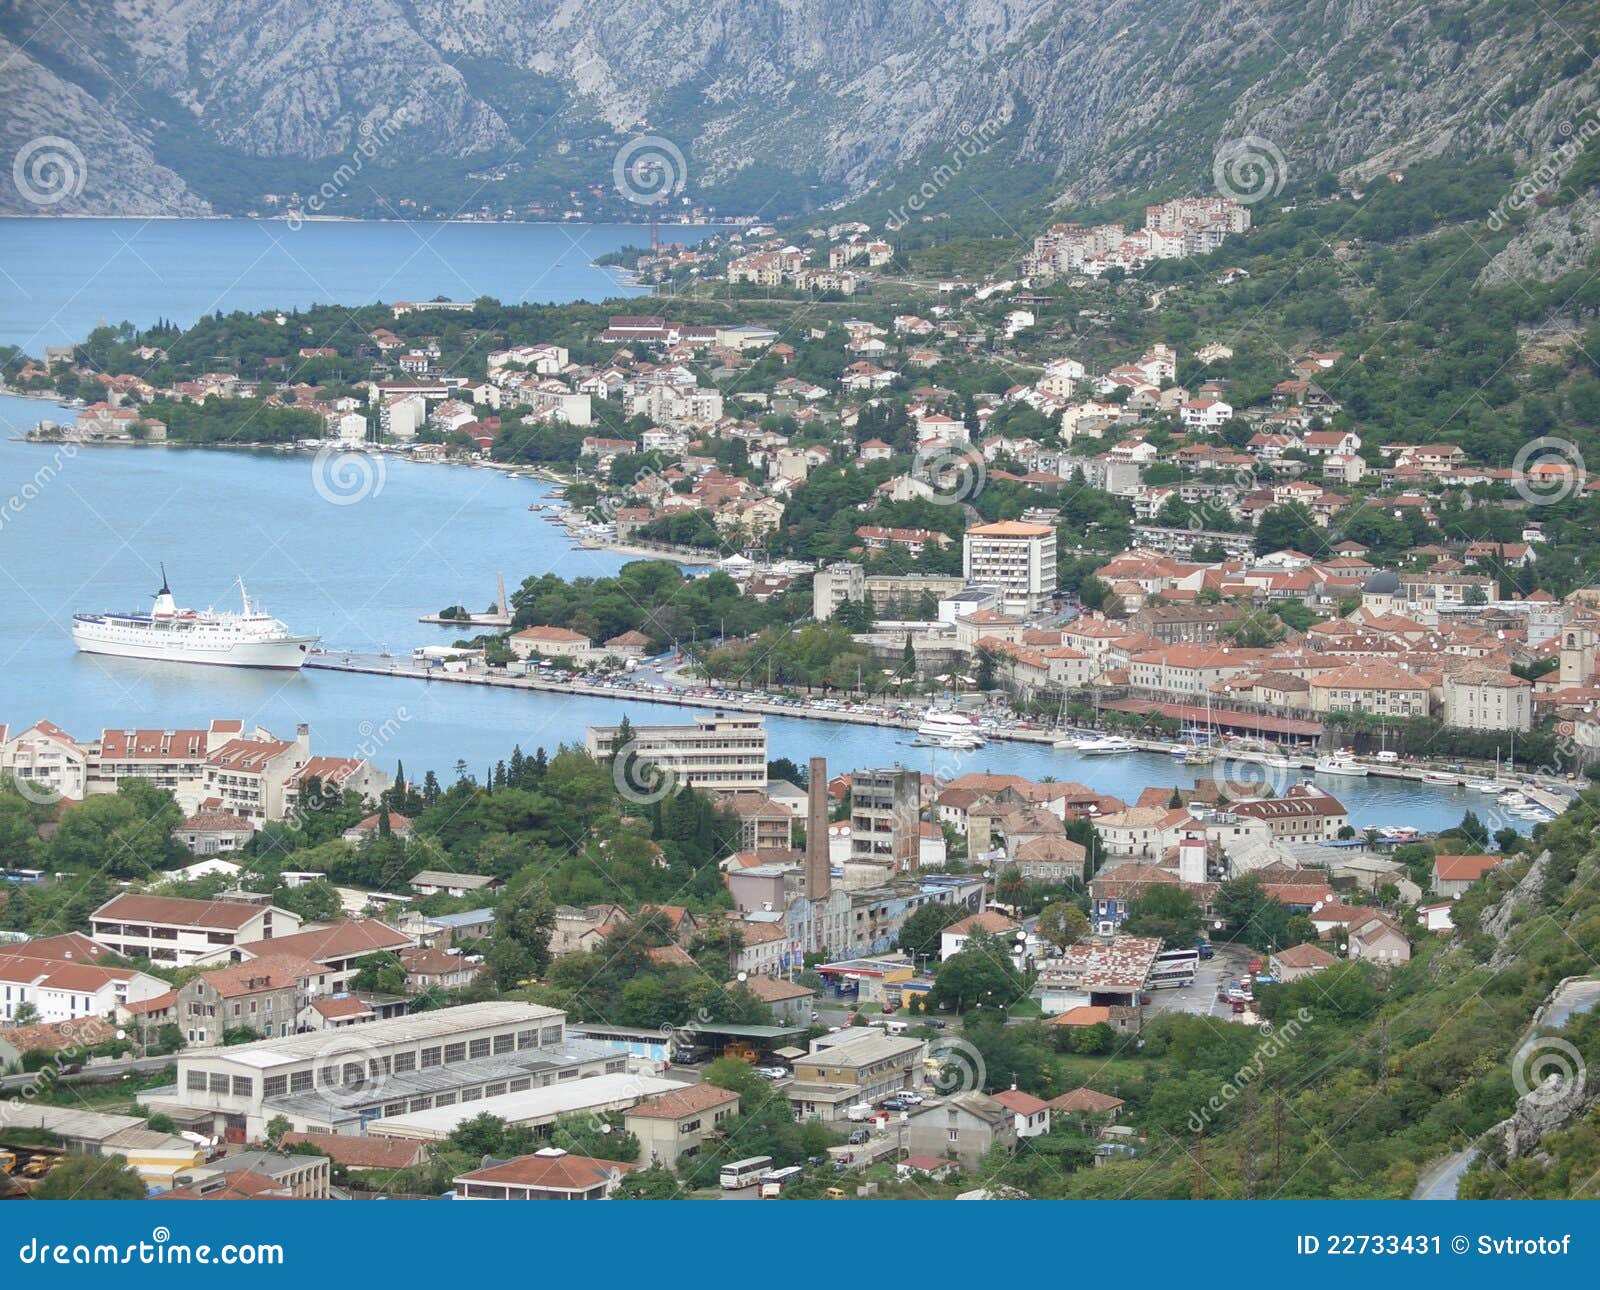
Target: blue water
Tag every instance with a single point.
(90, 531)
(60, 278)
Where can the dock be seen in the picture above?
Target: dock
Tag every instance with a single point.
(499, 616)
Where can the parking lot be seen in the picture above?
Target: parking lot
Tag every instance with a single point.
(1201, 997)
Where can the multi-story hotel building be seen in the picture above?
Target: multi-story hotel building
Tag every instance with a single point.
(1018, 560)
(718, 750)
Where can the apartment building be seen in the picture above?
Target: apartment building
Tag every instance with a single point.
(64, 990)
(177, 932)
(1486, 698)
(673, 1125)
(263, 996)
(886, 818)
(716, 751)
(1303, 814)
(1015, 558)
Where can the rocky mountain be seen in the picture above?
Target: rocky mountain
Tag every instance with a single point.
(177, 105)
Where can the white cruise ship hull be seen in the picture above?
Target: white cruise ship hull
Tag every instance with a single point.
(166, 646)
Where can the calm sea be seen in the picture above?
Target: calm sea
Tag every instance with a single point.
(61, 277)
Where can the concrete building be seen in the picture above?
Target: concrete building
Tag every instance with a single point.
(333, 1081)
(64, 990)
(1017, 559)
(1487, 698)
(964, 1127)
(537, 1108)
(718, 750)
(177, 932)
(865, 1060)
(833, 585)
(239, 1176)
(885, 819)
(674, 1124)
(338, 948)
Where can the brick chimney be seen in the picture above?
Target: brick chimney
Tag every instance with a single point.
(819, 870)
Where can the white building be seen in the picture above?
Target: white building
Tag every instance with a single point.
(175, 932)
(717, 750)
(1015, 558)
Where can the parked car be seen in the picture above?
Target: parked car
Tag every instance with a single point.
(772, 1072)
(858, 1136)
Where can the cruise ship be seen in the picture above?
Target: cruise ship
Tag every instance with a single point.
(168, 634)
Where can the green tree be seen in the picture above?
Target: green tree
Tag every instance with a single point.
(919, 934)
(1063, 924)
(1165, 910)
(84, 1177)
(979, 975)
(523, 922)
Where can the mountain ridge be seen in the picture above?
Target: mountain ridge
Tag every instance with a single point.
(778, 106)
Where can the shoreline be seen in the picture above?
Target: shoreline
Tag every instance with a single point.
(404, 669)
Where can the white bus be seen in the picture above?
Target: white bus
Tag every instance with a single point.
(1174, 968)
(775, 1180)
(742, 1173)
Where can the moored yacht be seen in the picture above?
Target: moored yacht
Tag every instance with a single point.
(944, 729)
(1340, 762)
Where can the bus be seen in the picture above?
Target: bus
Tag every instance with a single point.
(1174, 969)
(742, 1173)
(774, 1181)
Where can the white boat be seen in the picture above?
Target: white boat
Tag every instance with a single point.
(1199, 757)
(1440, 777)
(1512, 800)
(941, 729)
(1484, 786)
(1340, 763)
(1103, 746)
(1261, 758)
(168, 634)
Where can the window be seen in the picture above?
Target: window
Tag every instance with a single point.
(494, 1090)
(955, 1135)
(404, 1062)
(430, 1058)
(196, 1081)
(300, 1082)
(243, 1086)
(220, 1083)
(478, 1048)
(504, 1044)
(550, 1035)
(445, 1099)
(455, 1053)
(527, 1039)
(275, 1086)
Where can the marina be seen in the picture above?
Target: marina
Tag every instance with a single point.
(441, 527)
